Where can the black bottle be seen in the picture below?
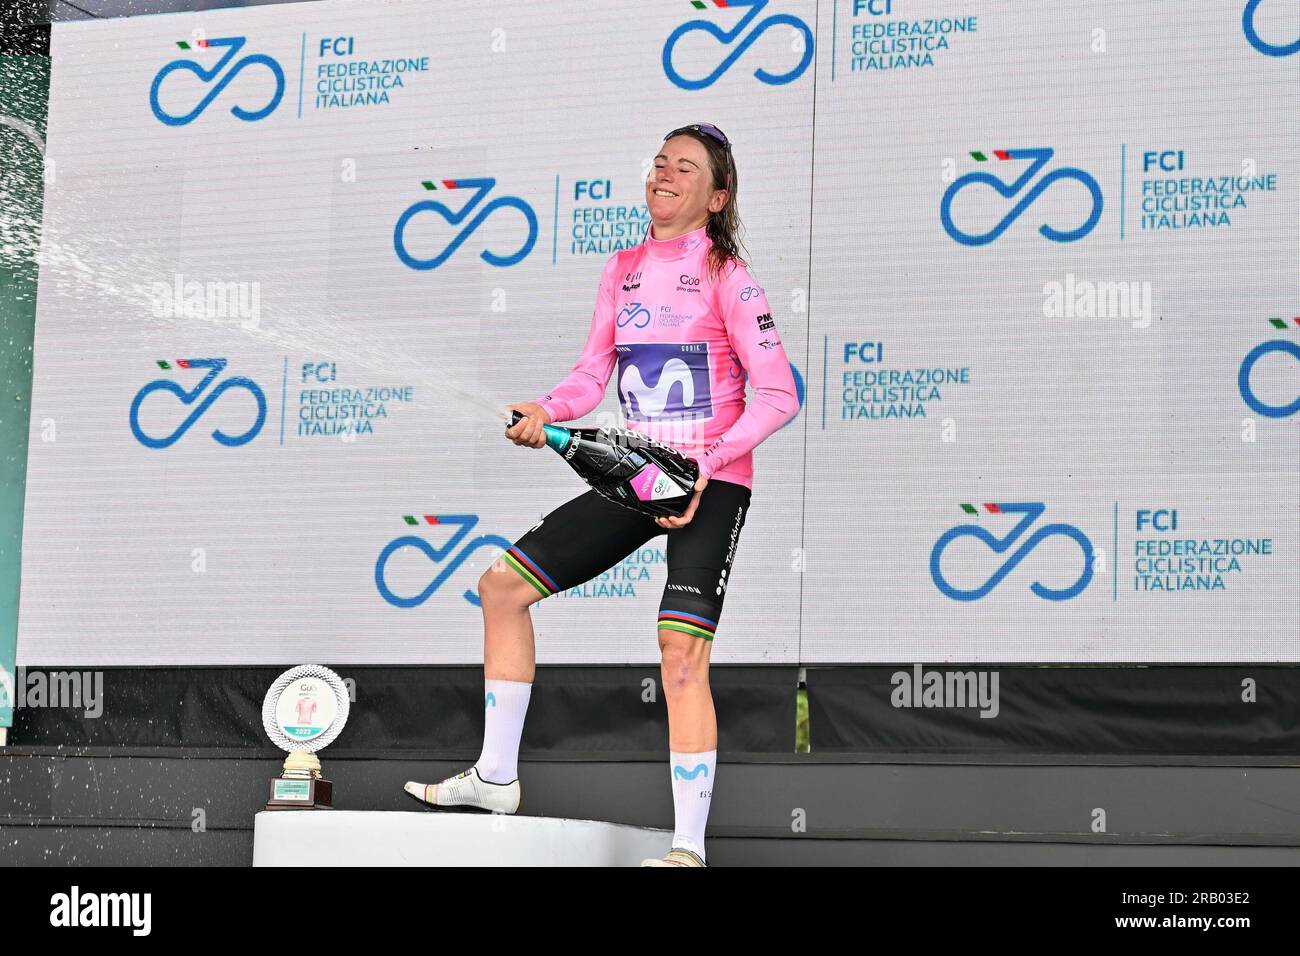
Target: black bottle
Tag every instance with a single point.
(626, 467)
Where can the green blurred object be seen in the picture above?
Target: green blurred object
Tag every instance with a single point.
(802, 744)
(24, 93)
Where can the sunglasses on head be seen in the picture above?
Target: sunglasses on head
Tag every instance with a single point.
(713, 133)
(707, 129)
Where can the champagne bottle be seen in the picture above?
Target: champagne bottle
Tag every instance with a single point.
(626, 467)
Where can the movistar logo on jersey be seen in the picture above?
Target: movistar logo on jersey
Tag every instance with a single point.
(664, 381)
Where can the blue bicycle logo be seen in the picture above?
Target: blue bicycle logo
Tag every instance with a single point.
(631, 311)
(1255, 40)
(726, 36)
(215, 366)
(750, 292)
(1040, 158)
(235, 44)
(467, 523)
(483, 186)
(1031, 511)
(1248, 366)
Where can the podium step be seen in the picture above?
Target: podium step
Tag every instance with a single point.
(431, 838)
(150, 806)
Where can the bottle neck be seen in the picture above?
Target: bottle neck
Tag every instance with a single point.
(557, 438)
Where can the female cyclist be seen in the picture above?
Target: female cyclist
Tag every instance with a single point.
(686, 323)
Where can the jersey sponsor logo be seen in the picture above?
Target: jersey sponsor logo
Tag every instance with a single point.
(667, 318)
(633, 312)
(631, 281)
(750, 292)
(664, 381)
(731, 552)
(687, 283)
(765, 322)
(684, 587)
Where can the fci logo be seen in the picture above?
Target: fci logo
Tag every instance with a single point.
(206, 75)
(215, 367)
(1249, 27)
(1031, 511)
(803, 43)
(481, 187)
(465, 524)
(1267, 348)
(1039, 158)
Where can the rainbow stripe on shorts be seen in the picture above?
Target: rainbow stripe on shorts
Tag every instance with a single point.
(533, 574)
(688, 624)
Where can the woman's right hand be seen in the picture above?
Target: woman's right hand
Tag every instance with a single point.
(528, 430)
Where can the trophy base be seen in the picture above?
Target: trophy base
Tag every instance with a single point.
(290, 793)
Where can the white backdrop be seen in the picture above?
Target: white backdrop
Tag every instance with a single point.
(946, 377)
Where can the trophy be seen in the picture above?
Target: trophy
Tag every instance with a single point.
(303, 712)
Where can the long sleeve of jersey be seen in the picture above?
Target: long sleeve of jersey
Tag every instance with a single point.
(584, 387)
(754, 339)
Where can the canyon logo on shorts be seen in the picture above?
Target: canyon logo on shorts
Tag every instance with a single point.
(664, 382)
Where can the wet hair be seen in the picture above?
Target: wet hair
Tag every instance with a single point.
(723, 228)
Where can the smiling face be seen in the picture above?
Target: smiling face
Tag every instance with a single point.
(679, 192)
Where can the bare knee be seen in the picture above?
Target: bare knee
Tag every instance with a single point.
(684, 661)
(501, 586)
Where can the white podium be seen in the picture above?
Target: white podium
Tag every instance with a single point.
(388, 838)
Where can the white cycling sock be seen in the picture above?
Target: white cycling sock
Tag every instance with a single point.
(692, 794)
(504, 704)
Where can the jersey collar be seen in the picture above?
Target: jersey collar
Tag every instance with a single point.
(684, 245)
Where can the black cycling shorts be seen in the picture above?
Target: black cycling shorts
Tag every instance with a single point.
(590, 534)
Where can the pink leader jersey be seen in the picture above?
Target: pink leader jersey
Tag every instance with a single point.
(683, 341)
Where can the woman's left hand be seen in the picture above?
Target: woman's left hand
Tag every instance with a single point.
(669, 523)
